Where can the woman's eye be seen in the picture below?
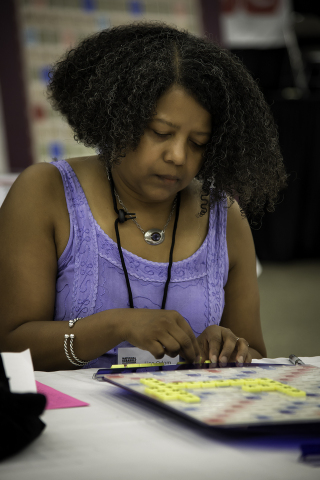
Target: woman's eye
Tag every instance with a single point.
(199, 145)
(196, 145)
(161, 134)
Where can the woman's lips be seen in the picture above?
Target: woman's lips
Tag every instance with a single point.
(168, 179)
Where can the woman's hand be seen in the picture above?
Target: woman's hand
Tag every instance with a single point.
(219, 344)
(161, 332)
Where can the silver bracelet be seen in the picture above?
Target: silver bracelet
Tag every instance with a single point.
(65, 346)
(72, 322)
(81, 362)
(75, 360)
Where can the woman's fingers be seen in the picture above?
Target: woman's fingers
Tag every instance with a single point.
(224, 346)
(248, 358)
(233, 348)
(190, 350)
(161, 332)
(215, 341)
(228, 345)
(174, 343)
(168, 345)
(242, 351)
(222, 343)
(218, 344)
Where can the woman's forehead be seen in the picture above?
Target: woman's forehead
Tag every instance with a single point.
(176, 107)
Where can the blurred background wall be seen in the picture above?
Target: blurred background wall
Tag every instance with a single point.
(38, 32)
(279, 42)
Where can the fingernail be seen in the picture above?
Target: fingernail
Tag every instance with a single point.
(223, 360)
(214, 359)
(240, 359)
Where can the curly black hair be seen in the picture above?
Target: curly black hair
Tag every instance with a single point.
(108, 87)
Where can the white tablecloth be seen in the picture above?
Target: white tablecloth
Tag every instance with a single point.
(120, 437)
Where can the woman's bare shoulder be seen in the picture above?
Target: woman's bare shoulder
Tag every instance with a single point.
(37, 172)
(44, 179)
(87, 166)
(39, 181)
(37, 196)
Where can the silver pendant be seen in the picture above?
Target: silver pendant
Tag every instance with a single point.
(154, 236)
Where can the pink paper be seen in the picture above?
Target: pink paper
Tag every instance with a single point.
(56, 399)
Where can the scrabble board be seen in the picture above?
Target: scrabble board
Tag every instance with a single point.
(253, 395)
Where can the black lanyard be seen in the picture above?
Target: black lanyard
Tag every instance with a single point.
(123, 216)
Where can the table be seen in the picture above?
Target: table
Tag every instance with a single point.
(121, 437)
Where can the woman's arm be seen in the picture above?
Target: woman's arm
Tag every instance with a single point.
(32, 218)
(34, 226)
(241, 315)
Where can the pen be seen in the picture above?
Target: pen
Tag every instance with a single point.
(295, 360)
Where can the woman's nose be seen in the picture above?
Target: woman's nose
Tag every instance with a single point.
(176, 152)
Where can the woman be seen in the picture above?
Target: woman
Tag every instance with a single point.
(180, 128)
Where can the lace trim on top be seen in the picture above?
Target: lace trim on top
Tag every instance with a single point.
(190, 268)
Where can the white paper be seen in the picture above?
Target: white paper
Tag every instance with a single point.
(136, 355)
(19, 371)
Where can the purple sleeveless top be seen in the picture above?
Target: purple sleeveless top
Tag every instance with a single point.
(90, 278)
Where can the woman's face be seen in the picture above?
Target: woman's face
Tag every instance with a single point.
(169, 154)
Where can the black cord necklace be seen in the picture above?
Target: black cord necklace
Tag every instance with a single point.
(123, 216)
